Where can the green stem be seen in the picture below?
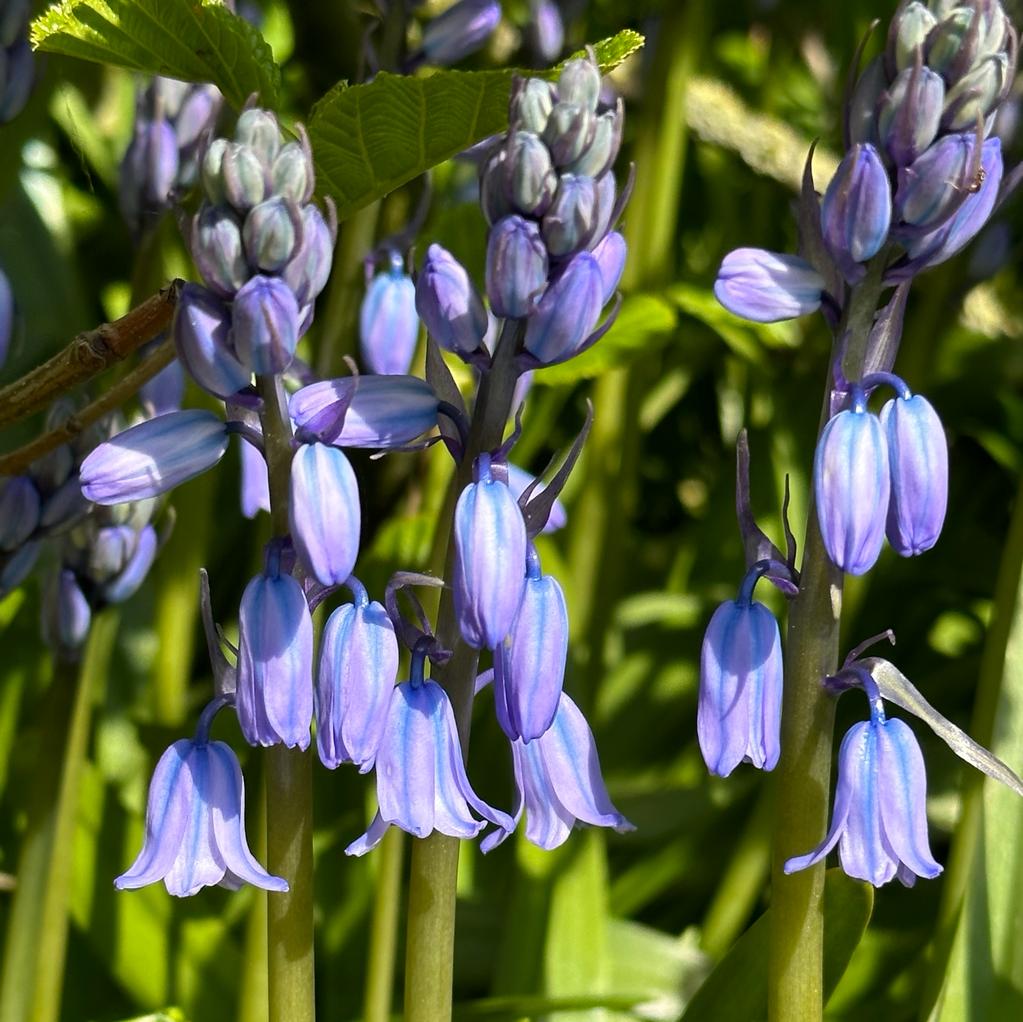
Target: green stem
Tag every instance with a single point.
(33, 972)
(383, 937)
(803, 778)
(289, 786)
(429, 956)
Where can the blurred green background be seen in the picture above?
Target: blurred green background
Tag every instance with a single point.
(721, 107)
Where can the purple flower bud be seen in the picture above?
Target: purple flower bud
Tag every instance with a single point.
(516, 267)
(559, 783)
(127, 581)
(153, 457)
(20, 507)
(195, 825)
(548, 32)
(610, 255)
(767, 286)
(255, 495)
(275, 662)
(529, 667)
(379, 411)
(165, 391)
(149, 169)
(258, 129)
(851, 487)
(910, 26)
(931, 189)
(449, 305)
(388, 324)
(264, 328)
(16, 566)
(211, 171)
(601, 152)
(6, 316)
(66, 614)
(880, 820)
(857, 208)
(202, 325)
(269, 234)
(243, 178)
(17, 75)
(519, 479)
(358, 668)
(292, 175)
(218, 251)
(910, 113)
(324, 512)
(421, 781)
(109, 551)
(308, 271)
(568, 311)
(579, 83)
(739, 712)
(569, 132)
(460, 30)
(531, 105)
(977, 93)
(918, 463)
(570, 222)
(529, 179)
(200, 107)
(490, 559)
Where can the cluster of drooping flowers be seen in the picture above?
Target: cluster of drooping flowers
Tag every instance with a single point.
(17, 65)
(172, 119)
(920, 177)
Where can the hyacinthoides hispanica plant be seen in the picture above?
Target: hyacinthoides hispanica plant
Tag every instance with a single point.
(921, 175)
(263, 249)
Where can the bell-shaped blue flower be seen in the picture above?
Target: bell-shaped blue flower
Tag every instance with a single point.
(490, 558)
(559, 783)
(449, 305)
(565, 316)
(910, 113)
(460, 30)
(202, 325)
(610, 255)
(880, 820)
(388, 324)
(275, 660)
(516, 267)
(127, 580)
(422, 785)
(323, 511)
(851, 487)
(932, 188)
(264, 328)
(366, 411)
(767, 286)
(570, 222)
(739, 710)
(529, 666)
(153, 457)
(195, 825)
(856, 211)
(358, 669)
(918, 465)
(255, 485)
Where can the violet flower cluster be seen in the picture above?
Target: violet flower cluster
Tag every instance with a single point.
(17, 64)
(921, 176)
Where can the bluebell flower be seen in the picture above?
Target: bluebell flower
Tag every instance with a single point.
(516, 267)
(309, 269)
(202, 328)
(271, 233)
(275, 660)
(460, 30)
(421, 781)
(490, 558)
(767, 286)
(879, 821)
(66, 614)
(568, 312)
(851, 487)
(610, 254)
(449, 304)
(909, 113)
(265, 324)
(20, 508)
(357, 671)
(856, 210)
(140, 556)
(195, 825)
(218, 251)
(559, 783)
(255, 484)
(153, 457)
(739, 710)
(323, 511)
(388, 324)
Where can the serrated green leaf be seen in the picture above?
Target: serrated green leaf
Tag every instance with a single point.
(645, 322)
(736, 991)
(196, 42)
(370, 139)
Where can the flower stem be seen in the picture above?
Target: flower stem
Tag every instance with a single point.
(429, 951)
(383, 938)
(289, 786)
(803, 780)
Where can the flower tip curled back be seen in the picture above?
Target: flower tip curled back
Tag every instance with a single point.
(767, 286)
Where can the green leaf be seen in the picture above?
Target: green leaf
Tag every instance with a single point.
(736, 991)
(370, 139)
(196, 42)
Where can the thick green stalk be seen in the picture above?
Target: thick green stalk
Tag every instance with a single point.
(33, 973)
(289, 787)
(803, 776)
(429, 952)
(383, 937)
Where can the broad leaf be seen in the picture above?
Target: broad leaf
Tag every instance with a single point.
(736, 991)
(196, 42)
(370, 139)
